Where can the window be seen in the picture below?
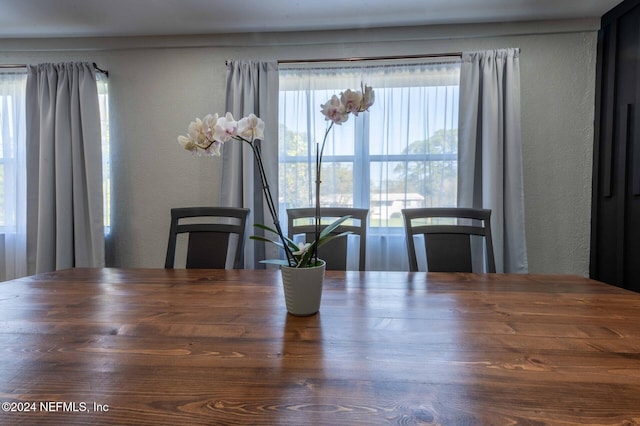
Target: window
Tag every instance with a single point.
(12, 139)
(402, 153)
(13, 238)
(103, 99)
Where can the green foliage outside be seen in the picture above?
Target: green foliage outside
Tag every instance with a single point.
(429, 178)
(433, 181)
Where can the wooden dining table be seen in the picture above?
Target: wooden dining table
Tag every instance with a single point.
(209, 347)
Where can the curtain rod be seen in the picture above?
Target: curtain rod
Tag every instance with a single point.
(371, 58)
(95, 66)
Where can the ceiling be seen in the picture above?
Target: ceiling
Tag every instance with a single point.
(107, 18)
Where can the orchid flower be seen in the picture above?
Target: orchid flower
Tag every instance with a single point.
(209, 123)
(251, 127)
(302, 248)
(196, 132)
(226, 128)
(333, 110)
(368, 97)
(352, 101)
(187, 143)
(337, 110)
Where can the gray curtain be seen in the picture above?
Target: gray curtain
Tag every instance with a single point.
(252, 87)
(65, 225)
(490, 150)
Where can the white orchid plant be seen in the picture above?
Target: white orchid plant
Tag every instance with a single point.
(206, 136)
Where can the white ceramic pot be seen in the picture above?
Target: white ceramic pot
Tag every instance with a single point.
(303, 289)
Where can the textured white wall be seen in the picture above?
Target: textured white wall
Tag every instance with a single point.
(158, 85)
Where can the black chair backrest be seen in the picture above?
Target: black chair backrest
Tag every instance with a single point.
(448, 246)
(209, 230)
(302, 221)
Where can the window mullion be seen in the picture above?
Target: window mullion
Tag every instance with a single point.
(361, 167)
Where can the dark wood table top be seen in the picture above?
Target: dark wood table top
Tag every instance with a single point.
(175, 347)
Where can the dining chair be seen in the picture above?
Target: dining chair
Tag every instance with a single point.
(209, 232)
(302, 221)
(450, 246)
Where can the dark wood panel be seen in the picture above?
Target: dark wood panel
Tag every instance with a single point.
(615, 233)
(604, 232)
(217, 347)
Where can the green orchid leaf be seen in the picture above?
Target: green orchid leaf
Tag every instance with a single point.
(325, 240)
(266, 240)
(275, 262)
(289, 241)
(329, 229)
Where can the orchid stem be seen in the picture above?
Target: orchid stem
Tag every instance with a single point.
(270, 204)
(319, 154)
